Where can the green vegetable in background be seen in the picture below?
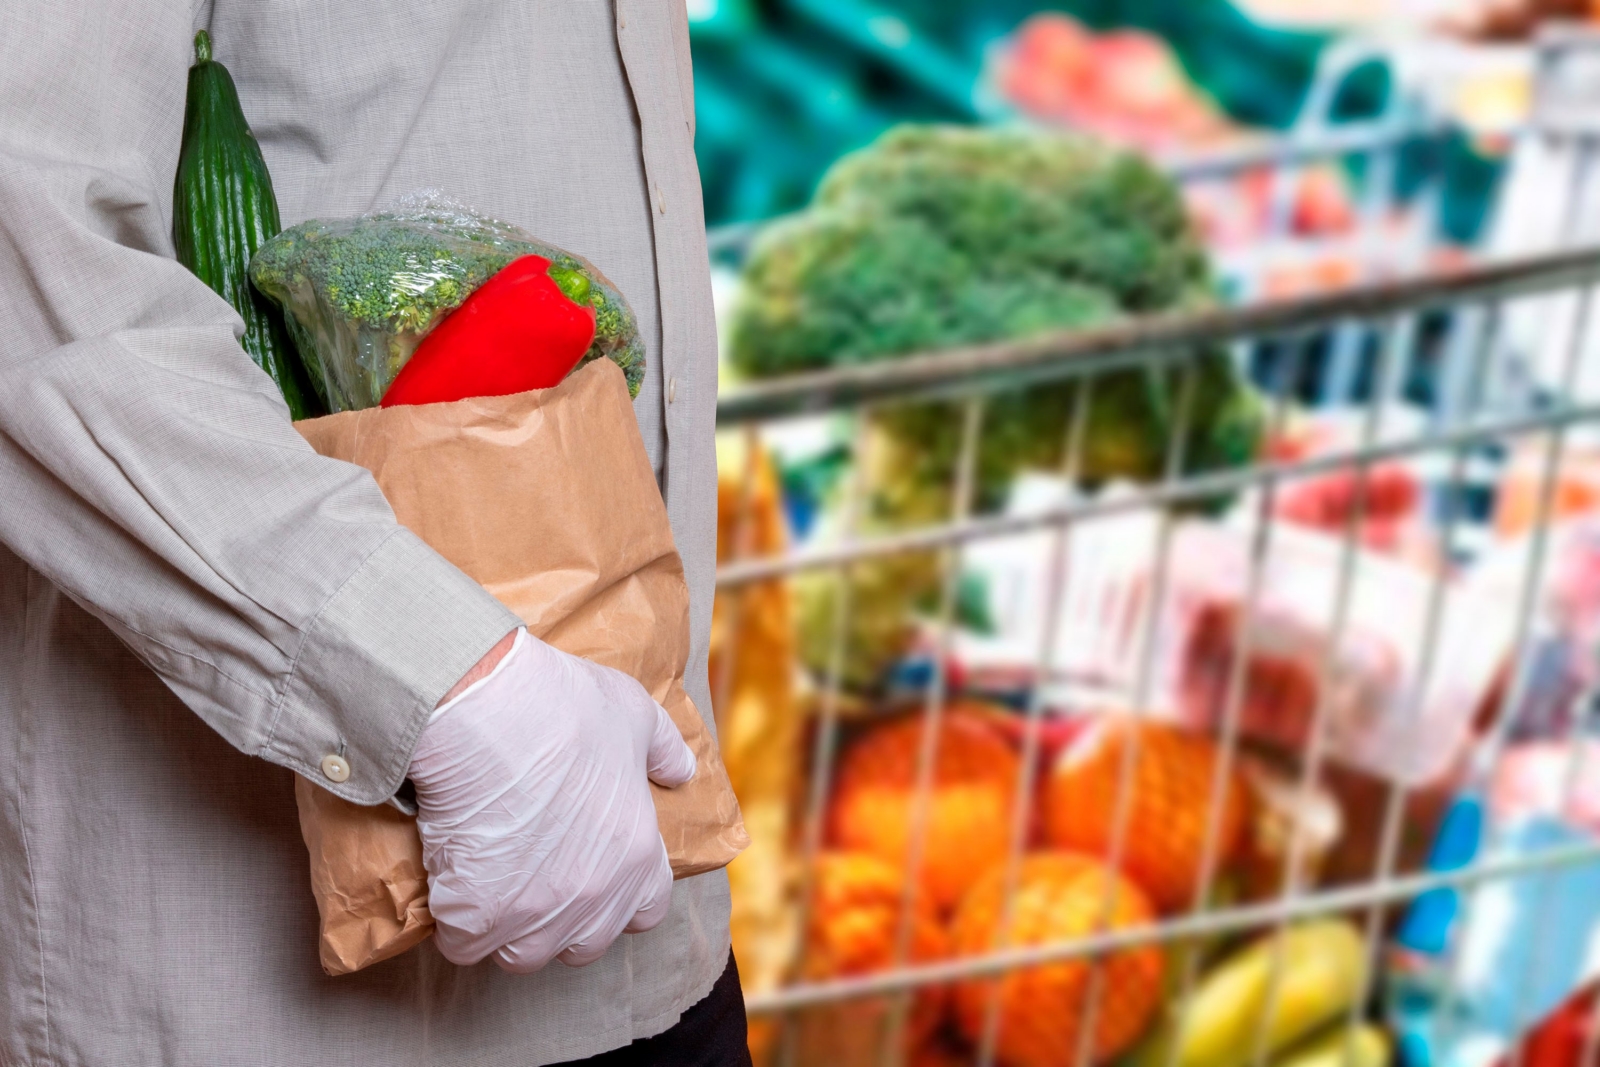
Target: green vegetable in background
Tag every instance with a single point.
(362, 293)
(223, 209)
(1014, 201)
(936, 237)
(880, 626)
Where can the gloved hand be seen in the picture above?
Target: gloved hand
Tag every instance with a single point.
(538, 830)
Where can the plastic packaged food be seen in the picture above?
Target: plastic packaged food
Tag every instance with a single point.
(1389, 712)
(361, 294)
(1541, 693)
(1393, 710)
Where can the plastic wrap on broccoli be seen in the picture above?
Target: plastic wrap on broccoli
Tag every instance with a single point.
(361, 294)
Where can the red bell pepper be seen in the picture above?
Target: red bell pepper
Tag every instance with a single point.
(517, 332)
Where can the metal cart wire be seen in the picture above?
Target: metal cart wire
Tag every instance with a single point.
(1448, 442)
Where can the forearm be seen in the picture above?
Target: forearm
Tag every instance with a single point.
(480, 670)
(149, 470)
(271, 589)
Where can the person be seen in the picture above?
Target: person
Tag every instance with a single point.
(194, 606)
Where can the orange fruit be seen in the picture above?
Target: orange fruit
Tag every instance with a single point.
(1060, 897)
(854, 925)
(1171, 787)
(936, 1053)
(967, 824)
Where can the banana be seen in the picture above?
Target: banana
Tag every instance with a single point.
(1361, 1045)
(1322, 967)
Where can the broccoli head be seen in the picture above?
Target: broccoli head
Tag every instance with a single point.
(934, 237)
(361, 294)
(1018, 201)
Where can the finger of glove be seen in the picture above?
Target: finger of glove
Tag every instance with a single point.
(461, 947)
(527, 952)
(580, 936)
(592, 948)
(593, 917)
(602, 919)
(605, 924)
(471, 921)
(526, 955)
(658, 898)
(671, 761)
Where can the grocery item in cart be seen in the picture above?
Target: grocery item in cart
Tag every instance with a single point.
(1531, 938)
(884, 595)
(1520, 493)
(1384, 705)
(1044, 1010)
(1386, 495)
(1539, 694)
(1239, 210)
(857, 905)
(1533, 780)
(1164, 813)
(1272, 994)
(936, 237)
(1567, 1037)
(1115, 639)
(965, 817)
(1294, 825)
(1354, 1045)
(758, 720)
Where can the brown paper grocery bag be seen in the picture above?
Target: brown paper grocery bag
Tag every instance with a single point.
(546, 498)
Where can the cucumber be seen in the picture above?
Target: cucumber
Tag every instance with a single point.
(223, 210)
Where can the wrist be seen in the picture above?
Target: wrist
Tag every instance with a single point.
(482, 669)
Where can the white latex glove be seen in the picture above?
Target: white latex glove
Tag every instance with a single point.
(538, 831)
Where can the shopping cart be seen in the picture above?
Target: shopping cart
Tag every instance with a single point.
(1476, 373)
(1139, 670)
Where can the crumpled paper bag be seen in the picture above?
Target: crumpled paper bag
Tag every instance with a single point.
(546, 498)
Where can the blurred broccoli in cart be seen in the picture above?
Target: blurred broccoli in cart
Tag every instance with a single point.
(935, 237)
(361, 294)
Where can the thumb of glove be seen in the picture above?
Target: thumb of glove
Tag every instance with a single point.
(671, 761)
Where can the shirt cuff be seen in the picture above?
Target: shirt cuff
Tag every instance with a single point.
(400, 632)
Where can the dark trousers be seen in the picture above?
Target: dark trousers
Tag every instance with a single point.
(710, 1034)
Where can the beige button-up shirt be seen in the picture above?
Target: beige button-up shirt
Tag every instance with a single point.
(194, 606)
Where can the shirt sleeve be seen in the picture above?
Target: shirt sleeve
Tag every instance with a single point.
(149, 469)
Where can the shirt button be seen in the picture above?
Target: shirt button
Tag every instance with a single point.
(661, 201)
(335, 769)
(672, 390)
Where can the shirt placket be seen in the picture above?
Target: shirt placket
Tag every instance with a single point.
(688, 329)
